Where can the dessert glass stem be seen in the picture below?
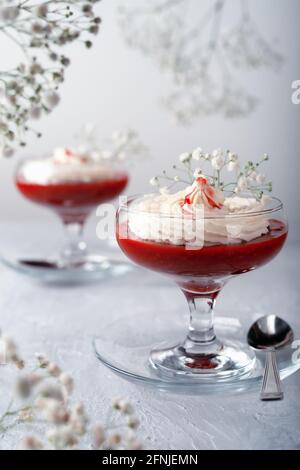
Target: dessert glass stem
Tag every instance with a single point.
(75, 248)
(201, 338)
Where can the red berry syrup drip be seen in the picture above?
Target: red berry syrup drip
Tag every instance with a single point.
(207, 192)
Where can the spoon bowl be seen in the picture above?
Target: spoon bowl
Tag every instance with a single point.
(270, 332)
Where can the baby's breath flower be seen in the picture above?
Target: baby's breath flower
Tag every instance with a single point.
(125, 407)
(52, 99)
(217, 160)
(35, 112)
(164, 190)
(31, 89)
(252, 176)
(114, 440)
(25, 384)
(232, 157)
(260, 178)
(42, 10)
(193, 60)
(9, 13)
(42, 360)
(54, 369)
(31, 443)
(197, 172)
(133, 422)
(57, 413)
(98, 435)
(62, 437)
(185, 157)
(154, 181)
(246, 178)
(67, 381)
(242, 184)
(46, 401)
(197, 154)
(116, 403)
(232, 165)
(53, 392)
(134, 444)
(25, 414)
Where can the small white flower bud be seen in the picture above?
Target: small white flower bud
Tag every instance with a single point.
(133, 422)
(164, 191)
(197, 172)
(42, 10)
(42, 360)
(52, 99)
(134, 444)
(218, 159)
(98, 435)
(35, 112)
(125, 407)
(31, 443)
(154, 181)
(260, 178)
(242, 183)
(9, 13)
(197, 154)
(114, 440)
(184, 157)
(54, 369)
(67, 381)
(232, 165)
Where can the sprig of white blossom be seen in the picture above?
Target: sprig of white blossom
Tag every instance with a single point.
(123, 145)
(39, 29)
(215, 166)
(202, 58)
(43, 397)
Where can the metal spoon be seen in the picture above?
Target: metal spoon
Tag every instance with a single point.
(270, 333)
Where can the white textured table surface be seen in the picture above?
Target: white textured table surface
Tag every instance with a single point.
(61, 321)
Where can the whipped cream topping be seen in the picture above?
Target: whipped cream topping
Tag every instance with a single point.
(66, 166)
(197, 215)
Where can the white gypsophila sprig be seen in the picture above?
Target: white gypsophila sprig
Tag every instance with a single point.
(43, 399)
(223, 169)
(39, 29)
(123, 145)
(193, 47)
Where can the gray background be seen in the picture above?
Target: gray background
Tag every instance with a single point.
(116, 87)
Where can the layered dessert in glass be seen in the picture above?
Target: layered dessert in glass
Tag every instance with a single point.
(201, 237)
(72, 184)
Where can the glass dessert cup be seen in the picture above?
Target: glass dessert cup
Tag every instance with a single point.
(201, 270)
(72, 199)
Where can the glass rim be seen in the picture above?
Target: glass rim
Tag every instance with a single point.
(278, 205)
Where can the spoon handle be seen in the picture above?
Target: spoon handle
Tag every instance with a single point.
(271, 386)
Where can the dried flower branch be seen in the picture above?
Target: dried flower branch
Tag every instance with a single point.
(40, 29)
(247, 178)
(44, 397)
(199, 55)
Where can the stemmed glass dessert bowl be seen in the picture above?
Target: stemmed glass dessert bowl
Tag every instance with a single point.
(72, 185)
(200, 251)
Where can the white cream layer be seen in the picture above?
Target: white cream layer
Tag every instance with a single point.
(65, 168)
(162, 218)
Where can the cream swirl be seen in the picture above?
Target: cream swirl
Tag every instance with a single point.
(197, 216)
(66, 166)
